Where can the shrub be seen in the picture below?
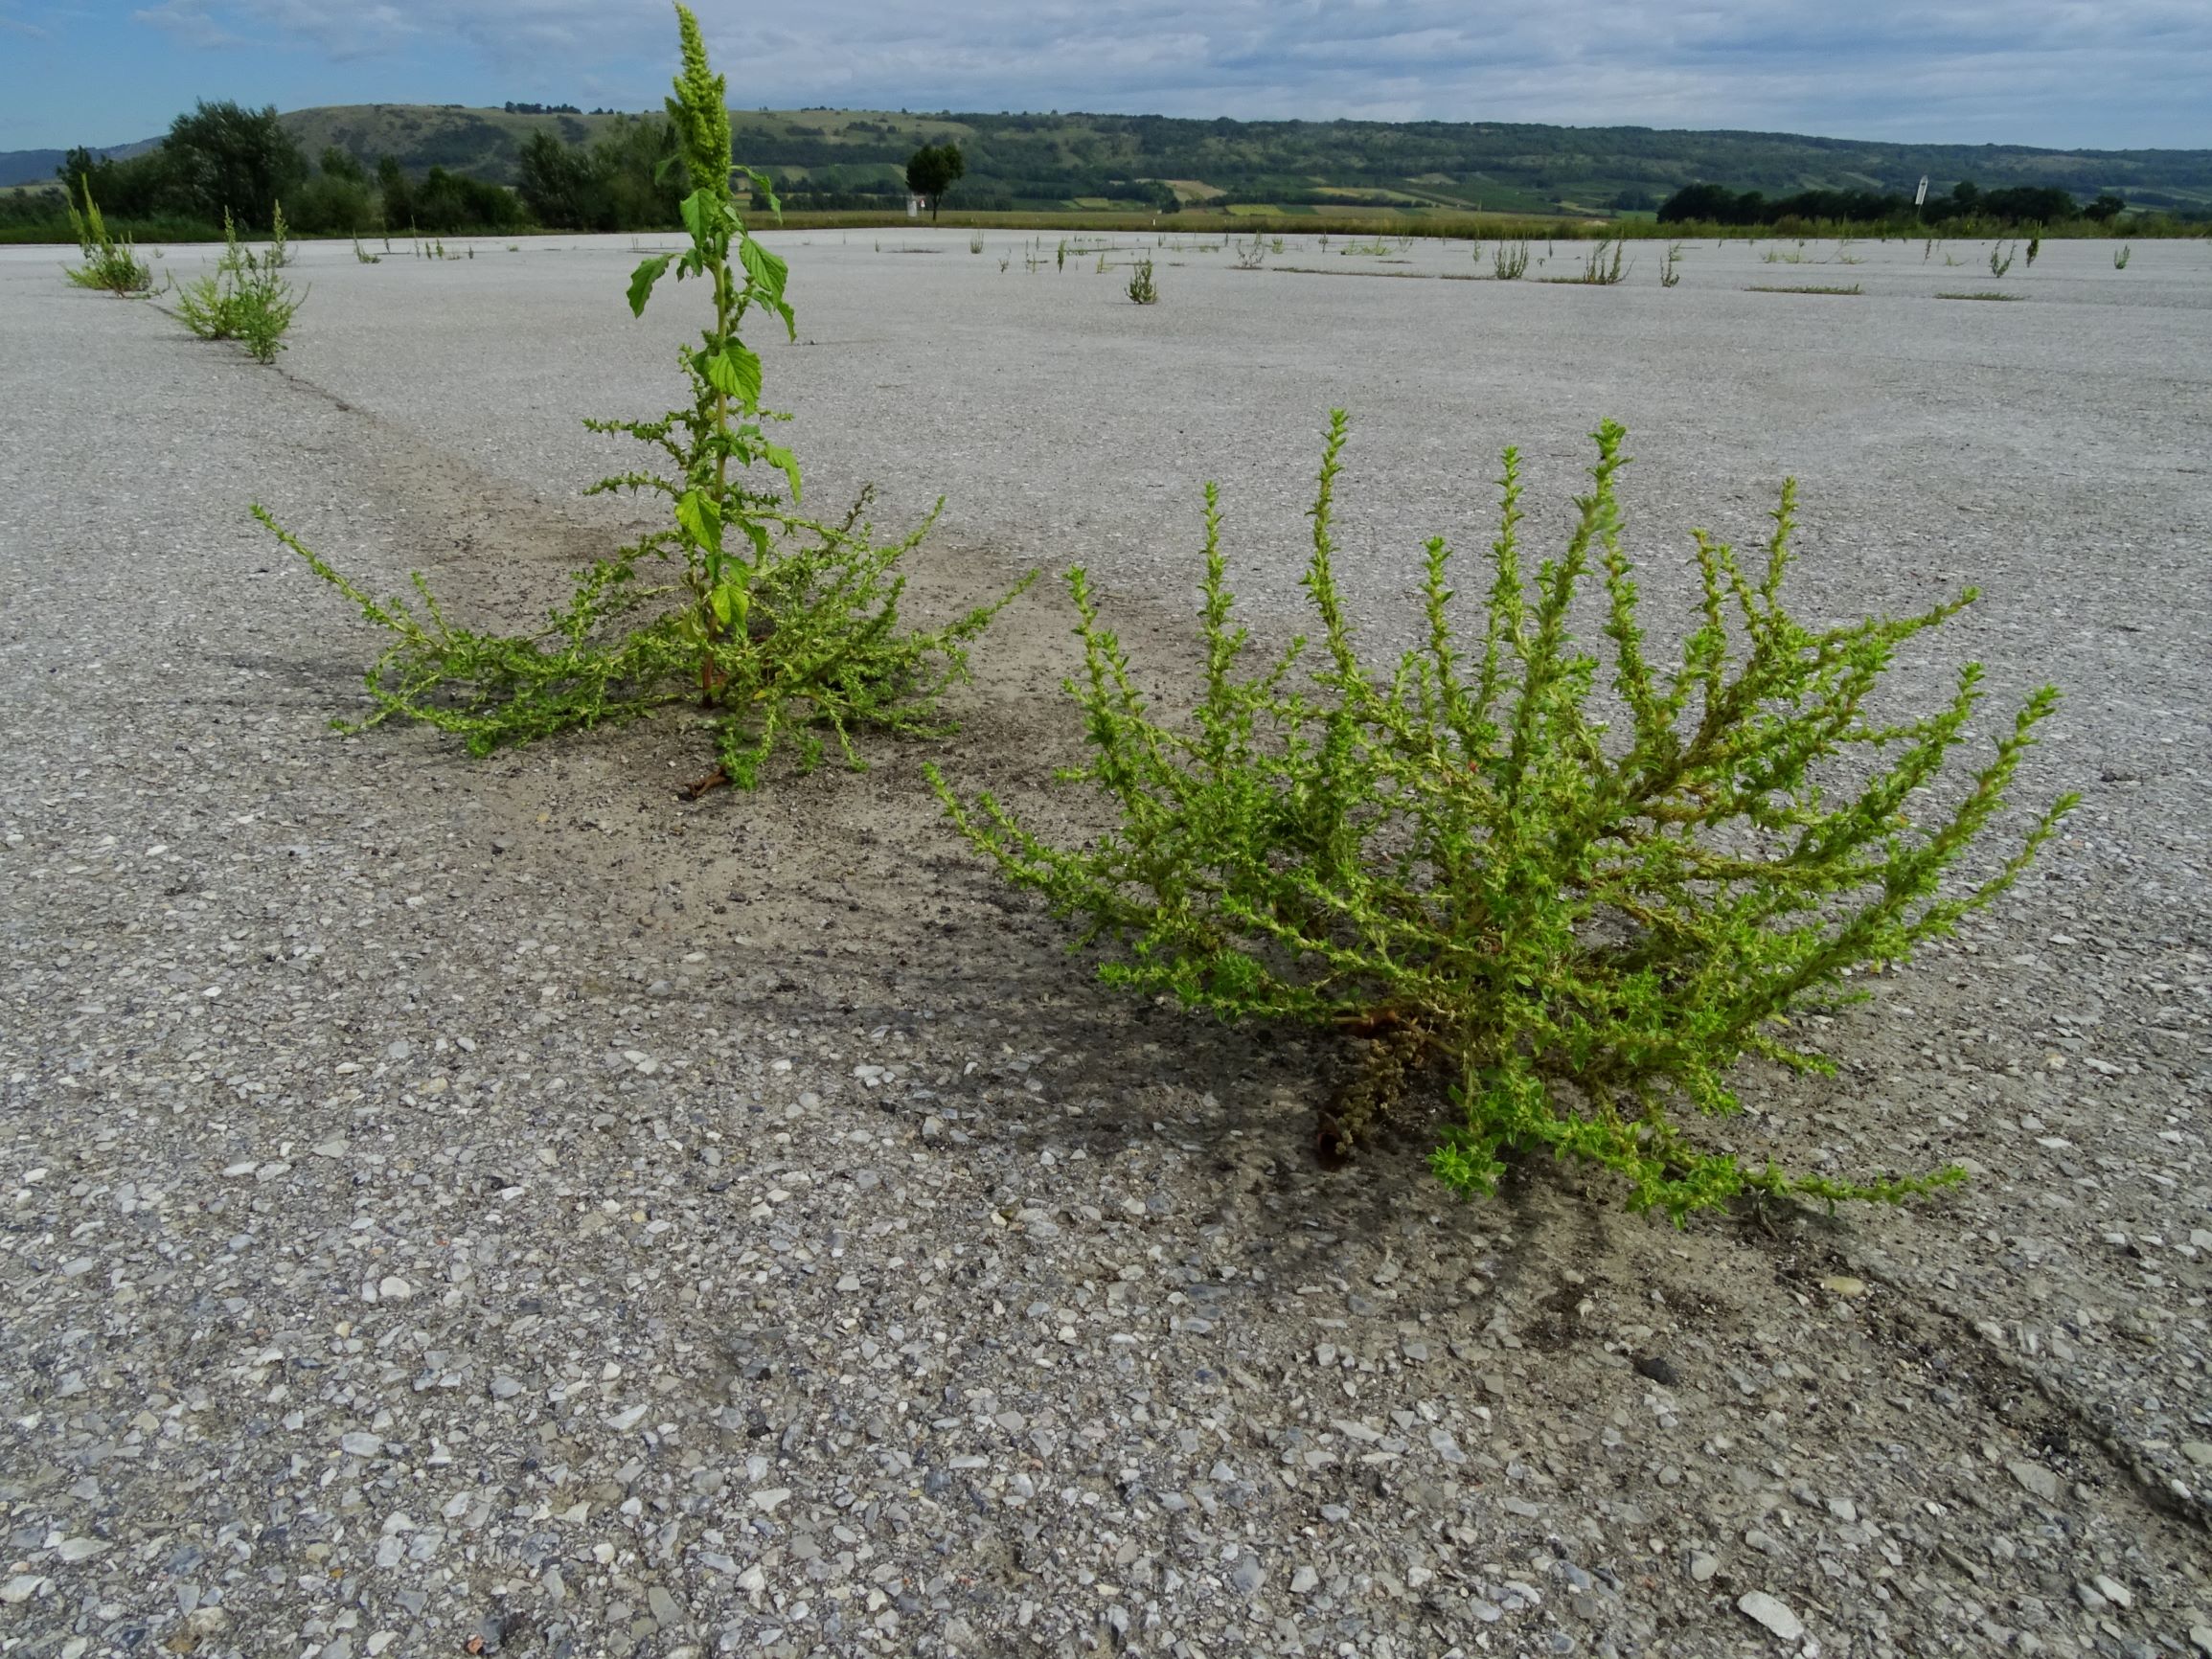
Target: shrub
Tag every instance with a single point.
(779, 623)
(110, 262)
(1585, 902)
(249, 299)
(1141, 287)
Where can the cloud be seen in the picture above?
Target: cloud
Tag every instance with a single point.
(2049, 71)
(192, 25)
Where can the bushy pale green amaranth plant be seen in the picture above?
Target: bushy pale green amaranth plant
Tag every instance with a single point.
(1588, 917)
(249, 299)
(779, 623)
(110, 262)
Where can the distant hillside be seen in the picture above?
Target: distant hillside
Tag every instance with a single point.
(1037, 161)
(39, 166)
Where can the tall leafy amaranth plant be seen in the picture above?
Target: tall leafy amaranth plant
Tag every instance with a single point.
(723, 426)
(1584, 898)
(784, 626)
(110, 262)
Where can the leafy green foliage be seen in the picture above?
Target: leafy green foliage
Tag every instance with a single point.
(249, 299)
(1965, 204)
(779, 623)
(1588, 900)
(2121, 254)
(225, 158)
(110, 262)
(934, 169)
(1509, 260)
(1141, 287)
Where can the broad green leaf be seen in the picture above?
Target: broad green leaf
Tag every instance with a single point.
(697, 209)
(735, 372)
(785, 461)
(702, 517)
(641, 280)
(769, 272)
(766, 187)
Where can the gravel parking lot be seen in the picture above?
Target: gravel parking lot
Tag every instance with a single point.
(459, 1206)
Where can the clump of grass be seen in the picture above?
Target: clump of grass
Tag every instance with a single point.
(1141, 287)
(1803, 288)
(1979, 294)
(785, 627)
(249, 299)
(1583, 903)
(111, 264)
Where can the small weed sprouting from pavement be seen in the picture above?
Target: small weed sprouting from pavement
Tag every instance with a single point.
(1597, 270)
(112, 263)
(1804, 288)
(2121, 256)
(363, 256)
(1509, 261)
(1250, 257)
(1670, 271)
(2000, 258)
(249, 299)
(1060, 256)
(1584, 902)
(2035, 247)
(1979, 294)
(976, 244)
(784, 626)
(1142, 289)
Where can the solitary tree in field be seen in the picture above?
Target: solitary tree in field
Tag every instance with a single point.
(934, 169)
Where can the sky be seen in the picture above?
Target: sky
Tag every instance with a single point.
(2101, 74)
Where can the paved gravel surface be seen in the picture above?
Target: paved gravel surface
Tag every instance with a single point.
(492, 1207)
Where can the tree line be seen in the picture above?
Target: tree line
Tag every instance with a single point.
(2012, 205)
(225, 159)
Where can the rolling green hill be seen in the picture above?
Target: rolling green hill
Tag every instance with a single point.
(836, 157)
(1037, 161)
